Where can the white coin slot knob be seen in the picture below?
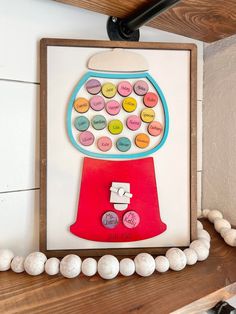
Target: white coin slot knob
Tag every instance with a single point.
(121, 192)
(120, 195)
(112, 189)
(129, 195)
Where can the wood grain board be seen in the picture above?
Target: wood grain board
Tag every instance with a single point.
(199, 19)
(46, 42)
(159, 293)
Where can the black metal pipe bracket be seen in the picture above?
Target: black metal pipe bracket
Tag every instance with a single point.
(128, 29)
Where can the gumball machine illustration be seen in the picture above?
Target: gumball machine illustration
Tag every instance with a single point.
(117, 118)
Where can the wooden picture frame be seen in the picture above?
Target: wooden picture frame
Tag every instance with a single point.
(50, 42)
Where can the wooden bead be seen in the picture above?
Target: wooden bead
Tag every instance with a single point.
(220, 223)
(223, 231)
(201, 250)
(230, 237)
(191, 256)
(127, 267)
(17, 264)
(203, 234)
(6, 257)
(70, 266)
(199, 225)
(108, 267)
(176, 258)
(34, 263)
(144, 264)
(89, 267)
(213, 214)
(199, 213)
(205, 212)
(206, 243)
(52, 266)
(162, 264)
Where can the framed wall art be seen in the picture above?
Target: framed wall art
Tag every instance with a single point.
(118, 147)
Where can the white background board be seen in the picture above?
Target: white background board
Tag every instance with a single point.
(171, 70)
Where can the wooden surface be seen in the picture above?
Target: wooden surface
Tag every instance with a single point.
(43, 137)
(199, 19)
(159, 293)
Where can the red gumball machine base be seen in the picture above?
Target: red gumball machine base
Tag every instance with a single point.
(99, 220)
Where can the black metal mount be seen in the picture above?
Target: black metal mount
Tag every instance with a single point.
(223, 307)
(128, 29)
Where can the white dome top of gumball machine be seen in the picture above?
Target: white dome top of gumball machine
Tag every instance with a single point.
(118, 60)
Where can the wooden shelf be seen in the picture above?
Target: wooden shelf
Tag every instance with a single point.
(159, 293)
(208, 21)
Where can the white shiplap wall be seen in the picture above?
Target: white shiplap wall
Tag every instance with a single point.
(22, 24)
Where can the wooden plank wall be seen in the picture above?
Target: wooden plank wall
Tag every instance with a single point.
(19, 104)
(208, 21)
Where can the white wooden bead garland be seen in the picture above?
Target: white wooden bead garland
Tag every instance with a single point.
(6, 257)
(89, 267)
(52, 266)
(127, 267)
(221, 225)
(144, 264)
(230, 237)
(191, 256)
(162, 264)
(176, 258)
(17, 264)
(199, 247)
(70, 266)
(108, 266)
(34, 263)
